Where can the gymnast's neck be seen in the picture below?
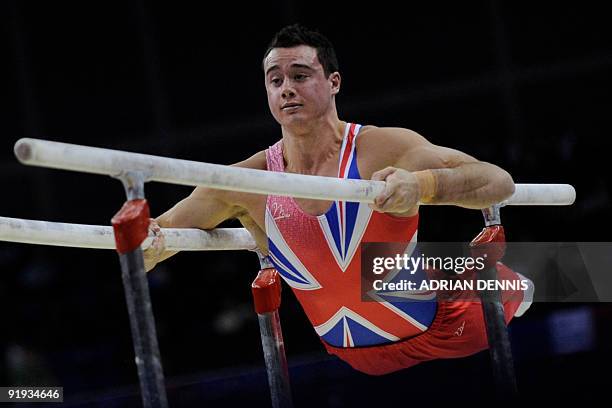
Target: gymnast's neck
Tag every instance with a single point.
(313, 148)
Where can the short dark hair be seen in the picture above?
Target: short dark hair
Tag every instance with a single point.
(296, 34)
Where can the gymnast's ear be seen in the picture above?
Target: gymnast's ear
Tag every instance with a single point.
(335, 80)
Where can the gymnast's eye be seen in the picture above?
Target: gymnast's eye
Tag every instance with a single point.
(300, 77)
(275, 81)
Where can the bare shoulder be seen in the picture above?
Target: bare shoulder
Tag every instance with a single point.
(379, 147)
(404, 148)
(389, 138)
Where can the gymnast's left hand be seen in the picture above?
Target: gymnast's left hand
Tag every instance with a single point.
(401, 193)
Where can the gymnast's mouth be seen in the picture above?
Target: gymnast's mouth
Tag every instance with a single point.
(291, 106)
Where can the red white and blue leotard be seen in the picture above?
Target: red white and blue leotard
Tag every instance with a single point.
(319, 258)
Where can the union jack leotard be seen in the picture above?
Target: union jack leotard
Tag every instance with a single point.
(319, 258)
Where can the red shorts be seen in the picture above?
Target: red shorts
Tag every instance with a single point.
(458, 330)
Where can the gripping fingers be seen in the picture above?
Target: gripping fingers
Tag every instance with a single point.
(381, 175)
(158, 246)
(400, 193)
(382, 200)
(159, 241)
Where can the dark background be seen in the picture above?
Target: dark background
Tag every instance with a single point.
(523, 85)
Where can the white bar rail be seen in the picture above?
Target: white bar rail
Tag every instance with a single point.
(102, 237)
(95, 160)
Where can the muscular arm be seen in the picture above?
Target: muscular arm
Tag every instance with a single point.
(435, 174)
(204, 208)
(460, 179)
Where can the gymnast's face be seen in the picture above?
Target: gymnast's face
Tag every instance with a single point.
(298, 90)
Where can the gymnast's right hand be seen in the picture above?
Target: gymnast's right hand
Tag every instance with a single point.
(153, 254)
